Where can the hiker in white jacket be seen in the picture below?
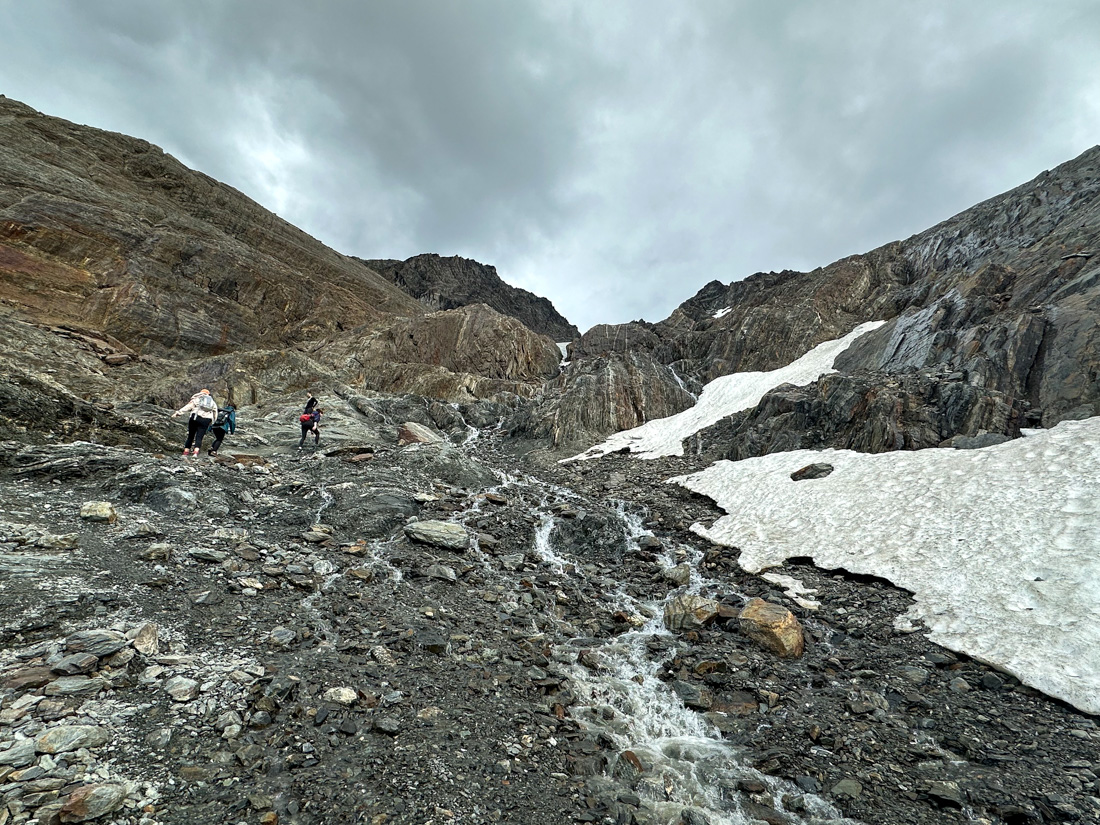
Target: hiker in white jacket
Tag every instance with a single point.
(204, 411)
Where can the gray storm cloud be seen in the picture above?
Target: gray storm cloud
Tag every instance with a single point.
(611, 156)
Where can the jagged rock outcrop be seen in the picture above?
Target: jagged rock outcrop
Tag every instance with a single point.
(108, 232)
(449, 283)
(599, 395)
(870, 412)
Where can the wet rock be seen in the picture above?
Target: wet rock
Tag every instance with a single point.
(412, 433)
(678, 575)
(441, 572)
(850, 788)
(98, 511)
(772, 626)
(445, 534)
(689, 612)
(92, 802)
(70, 738)
(693, 695)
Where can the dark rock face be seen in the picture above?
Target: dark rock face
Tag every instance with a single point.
(458, 355)
(867, 412)
(600, 395)
(108, 232)
(449, 283)
(1008, 291)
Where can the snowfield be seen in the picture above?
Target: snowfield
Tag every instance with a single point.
(1000, 546)
(721, 397)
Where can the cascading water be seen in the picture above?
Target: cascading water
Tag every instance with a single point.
(671, 756)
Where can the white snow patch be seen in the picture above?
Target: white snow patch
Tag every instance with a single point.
(563, 347)
(722, 397)
(722, 311)
(794, 589)
(1000, 546)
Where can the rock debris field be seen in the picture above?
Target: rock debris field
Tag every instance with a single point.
(373, 633)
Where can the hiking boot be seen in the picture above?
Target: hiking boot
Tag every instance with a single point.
(195, 451)
(186, 452)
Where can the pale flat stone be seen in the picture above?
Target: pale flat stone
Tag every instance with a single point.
(70, 738)
(689, 612)
(181, 688)
(445, 534)
(98, 511)
(341, 696)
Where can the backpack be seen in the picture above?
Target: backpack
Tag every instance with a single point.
(304, 417)
(222, 419)
(206, 403)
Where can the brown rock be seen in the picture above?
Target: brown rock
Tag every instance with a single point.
(412, 433)
(772, 626)
(93, 801)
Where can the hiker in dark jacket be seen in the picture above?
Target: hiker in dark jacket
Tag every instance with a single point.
(311, 402)
(311, 423)
(227, 419)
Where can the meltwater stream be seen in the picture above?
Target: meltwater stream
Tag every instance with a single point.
(675, 761)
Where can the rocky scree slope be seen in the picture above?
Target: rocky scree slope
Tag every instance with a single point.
(1006, 294)
(284, 636)
(449, 283)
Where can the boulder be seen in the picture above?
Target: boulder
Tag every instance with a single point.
(98, 511)
(70, 738)
(690, 612)
(93, 801)
(445, 534)
(412, 433)
(772, 626)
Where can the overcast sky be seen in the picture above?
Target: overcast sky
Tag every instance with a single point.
(612, 155)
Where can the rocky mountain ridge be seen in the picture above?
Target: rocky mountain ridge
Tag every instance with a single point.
(450, 283)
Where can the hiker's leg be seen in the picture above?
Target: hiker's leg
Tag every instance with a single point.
(200, 431)
(219, 437)
(192, 428)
